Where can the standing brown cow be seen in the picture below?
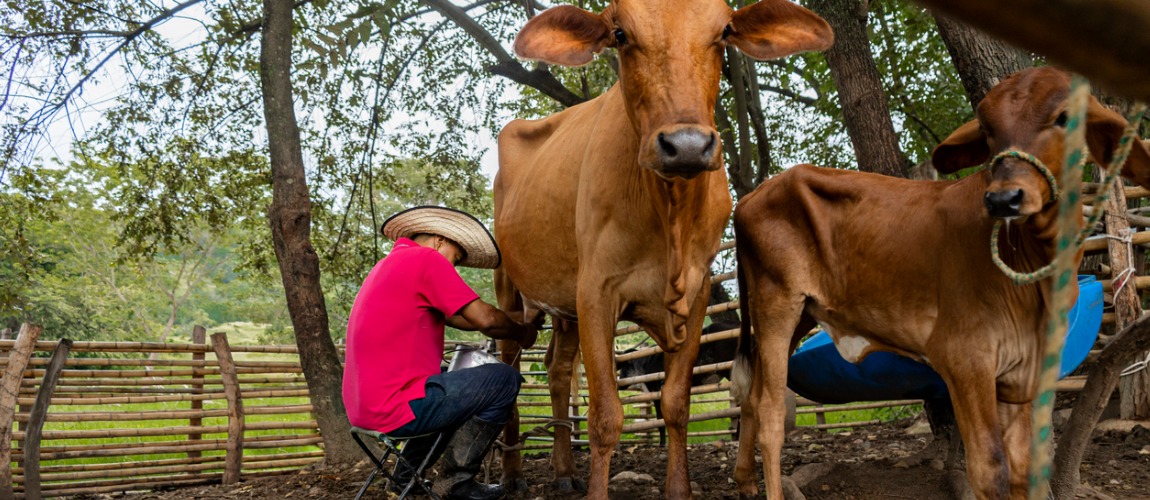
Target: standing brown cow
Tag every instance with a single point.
(613, 209)
(905, 266)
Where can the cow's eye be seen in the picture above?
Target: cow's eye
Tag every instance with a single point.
(620, 37)
(1060, 121)
(726, 31)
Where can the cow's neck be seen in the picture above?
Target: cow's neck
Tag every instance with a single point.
(679, 209)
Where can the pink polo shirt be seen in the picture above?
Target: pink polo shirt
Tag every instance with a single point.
(395, 333)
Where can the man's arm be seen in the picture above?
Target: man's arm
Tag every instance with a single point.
(479, 315)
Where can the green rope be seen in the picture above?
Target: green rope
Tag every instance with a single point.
(1063, 269)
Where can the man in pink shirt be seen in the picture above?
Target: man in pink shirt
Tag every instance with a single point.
(392, 379)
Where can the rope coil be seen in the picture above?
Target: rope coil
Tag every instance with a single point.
(1136, 367)
(1112, 172)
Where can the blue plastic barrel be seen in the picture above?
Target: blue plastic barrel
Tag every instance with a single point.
(819, 373)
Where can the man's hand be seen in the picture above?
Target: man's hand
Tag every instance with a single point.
(526, 335)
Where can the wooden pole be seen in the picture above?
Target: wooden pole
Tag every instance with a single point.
(13, 374)
(1127, 305)
(576, 378)
(235, 447)
(37, 417)
(199, 336)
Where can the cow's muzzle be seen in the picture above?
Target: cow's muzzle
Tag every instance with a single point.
(1003, 204)
(686, 150)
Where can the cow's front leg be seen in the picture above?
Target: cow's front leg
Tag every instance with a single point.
(676, 400)
(1016, 440)
(597, 322)
(972, 391)
(560, 367)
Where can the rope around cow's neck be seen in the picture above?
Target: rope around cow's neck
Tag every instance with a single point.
(1063, 270)
(1111, 175)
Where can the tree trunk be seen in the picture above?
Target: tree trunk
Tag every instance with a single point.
(981, 61)
(740, 171)
(1101, 40)
(1120, 352)
(290, 219)
(859, 85)
(1133, 404)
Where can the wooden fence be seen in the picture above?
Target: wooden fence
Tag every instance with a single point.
(100, 417)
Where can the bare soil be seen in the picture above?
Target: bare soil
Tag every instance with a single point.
(868, 463)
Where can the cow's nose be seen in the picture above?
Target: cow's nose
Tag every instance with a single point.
(1004, 203)
(686, 150)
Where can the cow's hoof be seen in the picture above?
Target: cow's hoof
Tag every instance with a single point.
(960, 485)
(570, 485)
(513, 485)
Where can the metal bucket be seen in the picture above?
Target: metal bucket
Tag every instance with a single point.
(470, 357)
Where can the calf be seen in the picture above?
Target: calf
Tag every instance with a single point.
(719, 351)
(905, 266)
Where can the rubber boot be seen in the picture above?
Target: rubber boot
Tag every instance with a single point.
(462, 460)
(413, 452)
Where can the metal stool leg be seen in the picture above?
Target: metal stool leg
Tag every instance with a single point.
(393, 445)
(378, 462)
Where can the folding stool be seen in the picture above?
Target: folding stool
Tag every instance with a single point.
(393, 445)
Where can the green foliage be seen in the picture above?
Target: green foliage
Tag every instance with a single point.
(394, 104)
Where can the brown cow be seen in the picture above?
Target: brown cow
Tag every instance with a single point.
(905, 266)
(613, 209)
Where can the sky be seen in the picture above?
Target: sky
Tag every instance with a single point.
(84, 113)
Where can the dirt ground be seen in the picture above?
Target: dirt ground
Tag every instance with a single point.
(868, 463)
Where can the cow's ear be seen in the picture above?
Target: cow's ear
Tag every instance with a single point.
(966, 147)
(1137, 167)
(776, 28)
(564, 35)
(1103, 130)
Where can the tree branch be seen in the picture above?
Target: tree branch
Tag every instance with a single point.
(795, 96)
(46, 112)
(506, 65)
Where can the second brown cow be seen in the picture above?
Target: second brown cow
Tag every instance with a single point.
(905, 266)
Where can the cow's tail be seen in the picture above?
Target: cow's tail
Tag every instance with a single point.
(743, 370)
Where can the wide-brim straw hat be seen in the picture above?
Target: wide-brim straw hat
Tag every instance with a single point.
(458, 226)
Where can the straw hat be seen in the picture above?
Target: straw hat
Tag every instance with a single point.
(457, 226)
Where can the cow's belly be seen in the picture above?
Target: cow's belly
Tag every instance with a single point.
(857, 334)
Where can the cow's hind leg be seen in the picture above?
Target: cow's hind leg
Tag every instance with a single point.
(777, 319)
(561, 353)
(509, 300)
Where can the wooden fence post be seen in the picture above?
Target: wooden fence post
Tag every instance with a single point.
(573, 404)
(38, 416)
(1127, 305)
(13, 375)
(199, 336)
(233, 461)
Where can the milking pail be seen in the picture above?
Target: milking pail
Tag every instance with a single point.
(470, 357)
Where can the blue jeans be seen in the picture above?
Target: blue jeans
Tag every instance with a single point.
(486, 392)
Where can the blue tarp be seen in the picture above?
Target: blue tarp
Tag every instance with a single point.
(819, 373)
